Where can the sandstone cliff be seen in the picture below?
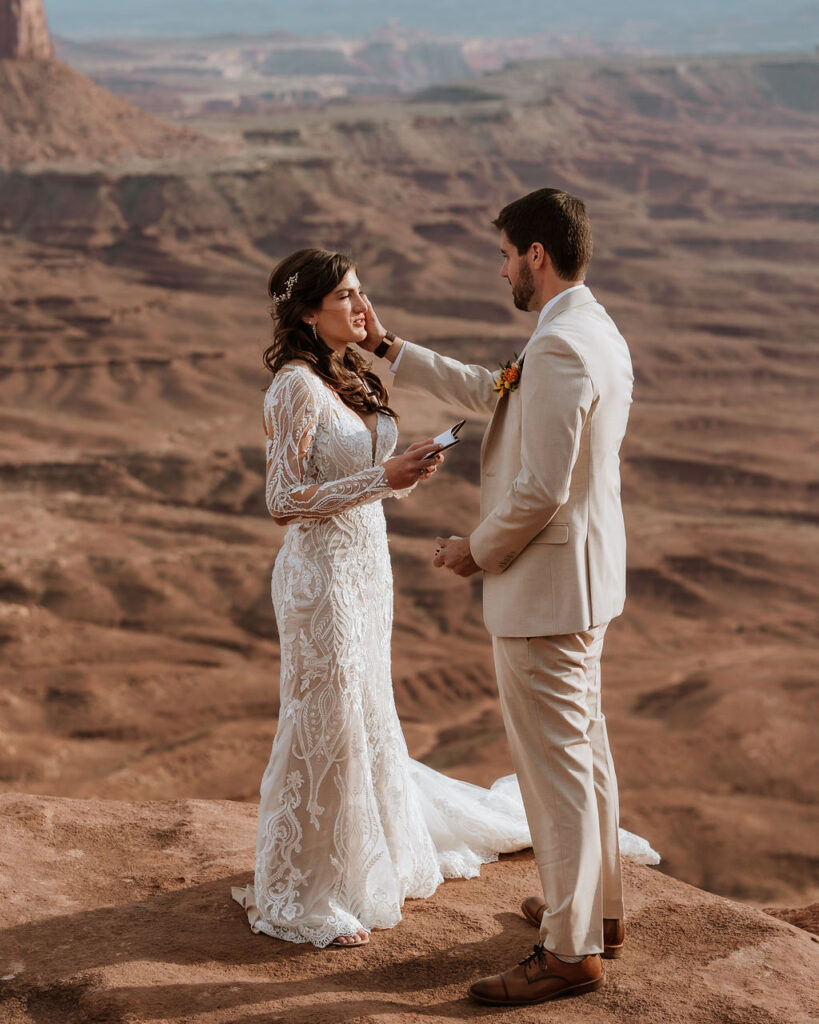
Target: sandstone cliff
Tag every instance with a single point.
(50, 113)
(24, 30)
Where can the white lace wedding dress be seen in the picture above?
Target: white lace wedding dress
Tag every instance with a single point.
(349, 825)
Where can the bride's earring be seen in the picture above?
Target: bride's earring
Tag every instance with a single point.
(315, 332)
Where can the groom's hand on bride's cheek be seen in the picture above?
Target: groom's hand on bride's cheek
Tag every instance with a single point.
(375, 329)
(454, 553)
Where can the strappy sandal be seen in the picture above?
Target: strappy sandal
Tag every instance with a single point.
(336, 944)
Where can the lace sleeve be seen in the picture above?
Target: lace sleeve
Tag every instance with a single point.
(291, 418)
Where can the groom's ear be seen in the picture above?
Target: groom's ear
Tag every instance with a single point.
(537, 256)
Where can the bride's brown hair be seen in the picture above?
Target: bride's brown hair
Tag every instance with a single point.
(297, 286)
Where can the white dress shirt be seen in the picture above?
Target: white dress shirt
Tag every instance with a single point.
(555, 299)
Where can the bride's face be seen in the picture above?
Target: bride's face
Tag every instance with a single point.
(341, 320)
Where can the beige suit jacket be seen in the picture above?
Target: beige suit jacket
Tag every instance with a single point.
(551, 540)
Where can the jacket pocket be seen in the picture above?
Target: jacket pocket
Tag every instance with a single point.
(554, 533)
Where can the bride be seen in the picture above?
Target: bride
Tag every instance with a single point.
(349, 826)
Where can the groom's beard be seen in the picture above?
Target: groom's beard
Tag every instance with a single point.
(524, 288)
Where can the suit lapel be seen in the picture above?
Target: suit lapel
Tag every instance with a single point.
(581, 297)
(497, 415)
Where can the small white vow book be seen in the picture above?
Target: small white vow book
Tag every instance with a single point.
(447, 439)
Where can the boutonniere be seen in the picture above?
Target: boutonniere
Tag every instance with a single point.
(509, 376)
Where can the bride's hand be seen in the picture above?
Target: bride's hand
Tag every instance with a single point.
(376, 331)
(407, 469)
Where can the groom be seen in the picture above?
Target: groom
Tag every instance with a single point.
(551, 545)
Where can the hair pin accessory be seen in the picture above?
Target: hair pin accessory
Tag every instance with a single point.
(286, 292)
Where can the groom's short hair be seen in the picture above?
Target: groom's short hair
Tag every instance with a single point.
(556, 219)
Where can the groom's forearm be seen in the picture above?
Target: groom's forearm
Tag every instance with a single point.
(453, 382)
(509, 528)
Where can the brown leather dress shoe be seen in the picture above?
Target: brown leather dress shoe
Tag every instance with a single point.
(614, 935)
(539, 977)
(614, 928)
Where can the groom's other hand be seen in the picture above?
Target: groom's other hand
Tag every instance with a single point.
(454, 553)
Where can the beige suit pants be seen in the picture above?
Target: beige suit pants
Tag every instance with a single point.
(550, 695)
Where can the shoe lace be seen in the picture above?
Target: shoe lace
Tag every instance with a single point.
(537, 955)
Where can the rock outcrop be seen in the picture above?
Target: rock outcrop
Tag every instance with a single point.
(50, 113)
(24, 30)
(118, 912)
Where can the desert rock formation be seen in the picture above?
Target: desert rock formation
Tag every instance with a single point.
(24, 30)
(120, 913)
(280, 71)
(50, 113)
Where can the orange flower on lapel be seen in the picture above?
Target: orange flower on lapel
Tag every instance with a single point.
(509, 376)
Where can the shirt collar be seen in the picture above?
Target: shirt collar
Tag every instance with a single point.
(556, 298)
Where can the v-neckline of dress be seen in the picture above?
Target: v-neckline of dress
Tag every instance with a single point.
(373, 433)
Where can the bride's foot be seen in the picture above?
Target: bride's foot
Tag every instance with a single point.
(359, 938)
